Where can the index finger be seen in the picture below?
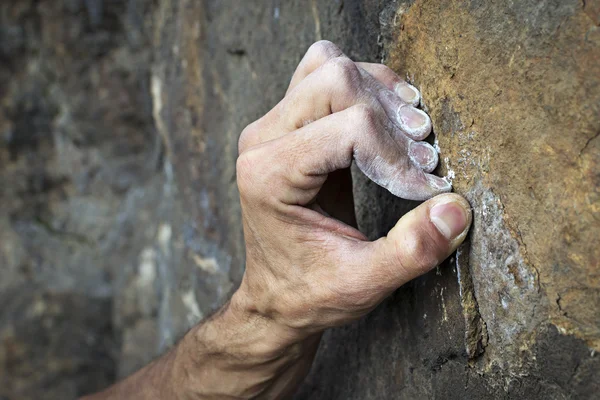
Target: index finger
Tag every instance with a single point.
(292, 169)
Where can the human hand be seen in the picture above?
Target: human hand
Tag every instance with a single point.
(306, 270)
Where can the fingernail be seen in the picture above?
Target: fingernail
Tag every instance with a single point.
(423, 155)
(408, 93)
(449, 218)
(412, 117)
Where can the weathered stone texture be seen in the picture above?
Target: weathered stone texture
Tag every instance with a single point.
(119, 128)
(79, 189)
(515, 96)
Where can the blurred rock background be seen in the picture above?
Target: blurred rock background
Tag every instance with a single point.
(120, 223)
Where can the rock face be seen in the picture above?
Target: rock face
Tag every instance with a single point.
(78, 189)
(119, 128)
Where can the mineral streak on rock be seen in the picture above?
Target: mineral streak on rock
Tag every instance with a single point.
(476, 336)
(504, 284)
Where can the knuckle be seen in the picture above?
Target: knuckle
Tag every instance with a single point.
(343, 72)
(365, 116)
(248, 137)
(246, 164)
(323, 50)
(383, 69)
(389, 73)
(418, 252)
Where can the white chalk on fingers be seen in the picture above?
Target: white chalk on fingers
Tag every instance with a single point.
(408, 93)
(414, 122)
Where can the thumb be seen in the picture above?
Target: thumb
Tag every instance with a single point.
(420, 241)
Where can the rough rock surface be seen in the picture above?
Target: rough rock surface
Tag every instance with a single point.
(79, 190)
(119, 127)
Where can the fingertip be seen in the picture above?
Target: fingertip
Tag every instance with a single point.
(408, 93)
(419, 241)
(414, 184)
(414, 122)
(423, 155)
(451, 214)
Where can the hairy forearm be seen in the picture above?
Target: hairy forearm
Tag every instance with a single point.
(155, 381)
(235, 354)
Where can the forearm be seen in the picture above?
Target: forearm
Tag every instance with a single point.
(236, 354)
(155, 381)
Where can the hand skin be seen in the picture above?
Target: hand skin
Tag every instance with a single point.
(307, 267)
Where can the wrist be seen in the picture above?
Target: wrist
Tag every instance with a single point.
(239, 353)
(240, 333)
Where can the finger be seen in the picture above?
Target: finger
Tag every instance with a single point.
(424, 155)
(339, 84)
(335, 86)
(415, 123)
(407, 92)
(322, 51)
(420, 241)
(316, 55)
(397, 97)
(326, 81)
(298, 163)
(399, 100)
